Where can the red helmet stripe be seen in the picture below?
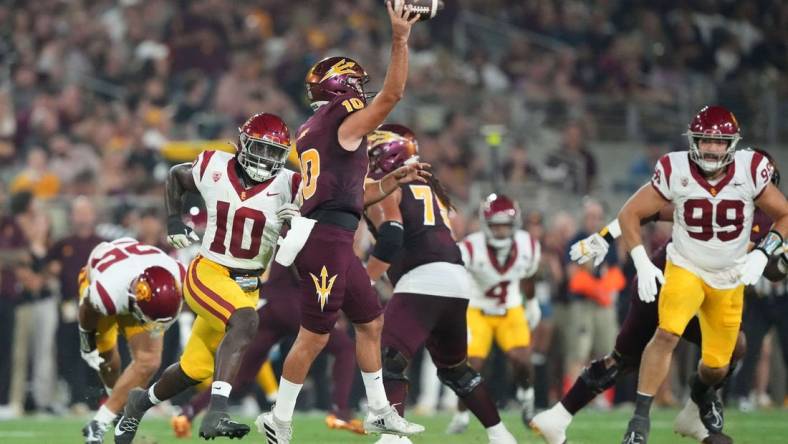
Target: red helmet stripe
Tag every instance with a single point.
(205, 158)
(105, 299)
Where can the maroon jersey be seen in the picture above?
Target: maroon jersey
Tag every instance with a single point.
(427, 238)
(333, 177)
(72, 252)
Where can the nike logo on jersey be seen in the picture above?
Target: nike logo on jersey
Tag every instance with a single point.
(271, 194)
(738, 184)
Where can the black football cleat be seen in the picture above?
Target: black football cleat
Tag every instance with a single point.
(128, 424)
(710, 408)
(718, 438)
(219, 424)
(637, 430)
(94, 432)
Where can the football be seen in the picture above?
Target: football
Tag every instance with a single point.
(426, 9)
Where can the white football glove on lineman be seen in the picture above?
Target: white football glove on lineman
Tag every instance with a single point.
(648, 275)
(93, 359)
(287, 212)
(88, 349)
(593, 247)
(179, 235)
(754, 264)
(533, 312)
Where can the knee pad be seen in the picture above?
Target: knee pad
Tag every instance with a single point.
(394, 365)
(462, 379)
(598, 378)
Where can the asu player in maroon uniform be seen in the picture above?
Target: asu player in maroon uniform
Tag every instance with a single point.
(416, 249)
(279, 317)
(248, 197)
(332, 149)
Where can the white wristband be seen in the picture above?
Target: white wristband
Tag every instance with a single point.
(614, 228)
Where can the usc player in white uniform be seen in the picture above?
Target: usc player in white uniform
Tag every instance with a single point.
(133, 288)
(501, 260)
(714, 190)
(248, 196)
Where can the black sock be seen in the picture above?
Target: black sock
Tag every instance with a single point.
(219, 403)
(697, 388)
(643, 404)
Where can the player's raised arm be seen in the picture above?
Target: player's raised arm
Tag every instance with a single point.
(179, 181)
(387, 218)
(361, 123)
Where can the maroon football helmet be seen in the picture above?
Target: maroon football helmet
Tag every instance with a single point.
(400, 130)
(156, 296)
(389, 151)
(713, 122)
(333, 76)
(265, 145)
(498, 209)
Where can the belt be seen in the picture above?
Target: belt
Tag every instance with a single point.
(239, 272)
(342, 219)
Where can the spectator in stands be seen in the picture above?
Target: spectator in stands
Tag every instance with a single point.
(65, 259)
(572, 166)
(36, 177)
(592, 323)
(35, 319)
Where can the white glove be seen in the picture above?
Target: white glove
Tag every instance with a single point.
(182, 240)
(533, 312)
(93, 359)
(593, 247)
(754, 264)
(300, 227)
(648, 275)
(287, 211)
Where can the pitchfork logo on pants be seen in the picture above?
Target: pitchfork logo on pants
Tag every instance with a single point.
(323, 288)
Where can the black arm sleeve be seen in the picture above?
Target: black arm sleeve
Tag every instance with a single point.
(389, 241)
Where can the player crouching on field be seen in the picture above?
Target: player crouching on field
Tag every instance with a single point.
(136, 289)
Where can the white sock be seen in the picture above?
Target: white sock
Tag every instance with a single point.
(497, 430)
(221, 388)
(376, 393)
(104, 415)
(562, 412)
(152, 396)
(465, 416)
(286, 400)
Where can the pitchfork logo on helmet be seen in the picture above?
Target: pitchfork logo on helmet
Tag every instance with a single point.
(498, 209)
(156, 297)
(389, 151)
(716, 123)
(265, 145)
(333, 76)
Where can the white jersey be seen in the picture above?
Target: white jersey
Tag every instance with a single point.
(712, 220)
(112, 266)
(242, 227)
(496, 286)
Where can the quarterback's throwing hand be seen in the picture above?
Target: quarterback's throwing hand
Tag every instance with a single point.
(648, 275)
(179, 235)
(593, 247)
(401, 19)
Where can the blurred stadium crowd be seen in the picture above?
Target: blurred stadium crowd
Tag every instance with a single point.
(96, 96)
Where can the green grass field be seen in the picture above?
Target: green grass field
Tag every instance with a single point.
(589, 428)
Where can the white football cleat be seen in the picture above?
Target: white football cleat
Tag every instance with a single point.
(552, 423)
(502, 437)
(389, 421)
(274, 430)
(688, 423)
(393, 439)
(459, 423)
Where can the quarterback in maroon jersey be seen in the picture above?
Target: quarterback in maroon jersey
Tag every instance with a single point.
(331, 147)
(416, 248)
